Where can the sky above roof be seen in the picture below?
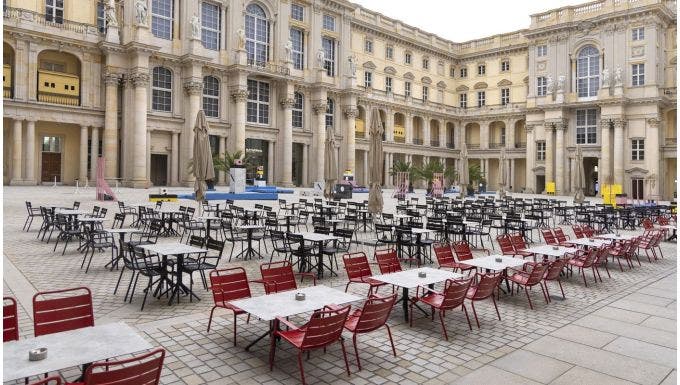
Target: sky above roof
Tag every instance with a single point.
(461, 21)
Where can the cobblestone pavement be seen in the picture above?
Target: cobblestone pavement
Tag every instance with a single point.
(622, 330)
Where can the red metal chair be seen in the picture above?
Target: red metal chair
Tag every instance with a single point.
(647, 224)
(53, 380)
(387, 260)
(588, 231)
(584, 260)
(648, 242)
(519, 245)
(485, 287)
(451, 297)
(359, 271)
(505, 244)
(62, 310)
(549, 237)
(561, 237)
(623, 251)
(578, 233)
(144, 369)
(10, 320)
(371, 317)
(529, 279)
(445, 258)
(553, 274)
(279, 276)
(228, 285)
(323, 329)
(464, 253)
(601, 261)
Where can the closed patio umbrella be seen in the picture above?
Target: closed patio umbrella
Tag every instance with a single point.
(579, 197)
(330, 163)
(463, 172)
(375, 199)
(502, 174)
(202, 163)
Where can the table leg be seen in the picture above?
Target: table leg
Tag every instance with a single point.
(273, 325)
(319, 266)
(404, 302)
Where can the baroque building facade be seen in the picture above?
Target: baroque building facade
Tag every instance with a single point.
(124, 79)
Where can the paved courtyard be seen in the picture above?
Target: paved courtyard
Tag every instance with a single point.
(620, 331)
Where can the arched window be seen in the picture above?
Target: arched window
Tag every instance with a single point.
(330, 110)
(298, 109)
(257, 34)
(211, 96)
(588, 71)
(161, 89)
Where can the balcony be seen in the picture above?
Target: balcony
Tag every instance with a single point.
(520, 144)
(417, 141)
(434, 143)
(58, 88)
(473, 146)
(671, 141)
(269, 67)
(450, 145)
(26, 15)
(496, 145)
(399, 139)
(360, 134)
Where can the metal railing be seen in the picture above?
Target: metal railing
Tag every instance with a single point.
(269, 67)
(520, 144)
(58, 99)
(434, 143)
(42, 19)
(360, 134)
(417, 141)
(473, 146)
(399, 139)
(496, 145)
(450, 145)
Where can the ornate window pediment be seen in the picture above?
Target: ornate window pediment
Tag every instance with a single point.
(480, 86)
(504, 82)
(409, 76)
(441, 84)
(369, 65)
(637, 171)
(426, 80)
(462, 88)
(390, 70)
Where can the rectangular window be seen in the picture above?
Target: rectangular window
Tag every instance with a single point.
(638, 188)
(407, 89)
(211, 96)
(388, 84)
(389, 52)
(161, 18)
(540, 150)
(368, 79)
(258, 102)
(368, 46)
(407, 58)
(481, 69)
(297, 12)
(298, 53)
(638, 33)
(586, 126)
(462, 100)
(542, 50)
(330, 112)
(426, 92)
(328, 45)
(426, 64)
(298, 110)
(463, 72)
(638, 149)
(211, 22)
(328, 23)
(505, 96)
(505, 65)
(452, 71)
(54, 11)
(481, 98)
(101, 17)
(541, 86)
(638, 74)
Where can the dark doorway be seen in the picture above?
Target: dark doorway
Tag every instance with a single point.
(637, 188)
(297, 163)
(51, 159)
(159, 169)
(540, 183)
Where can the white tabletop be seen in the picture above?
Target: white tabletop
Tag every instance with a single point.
(550, 250)
(168, 211)
(173, 249)
(489, 262)
(668, 227)
(208, 218)
(284, 304)
(620, 237)
(590, 242)
(316, 237)
(409, 278)
(421, 231)
(92, 219)
(126, 230)
(250, 227)
(71, 212)
(69, 349)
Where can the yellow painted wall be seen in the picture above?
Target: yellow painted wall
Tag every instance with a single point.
(70, 151)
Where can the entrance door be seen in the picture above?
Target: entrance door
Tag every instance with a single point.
(297, 163)
(638, 188)
(540, 183)
(50, 166)
(159, 169)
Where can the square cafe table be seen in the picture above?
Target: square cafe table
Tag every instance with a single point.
(408, 279)
(179, 250)
(590, 242)
(489, 263)
(617, 237)
(69, 349)
(550, 251)
(319, 239)
(268, 307)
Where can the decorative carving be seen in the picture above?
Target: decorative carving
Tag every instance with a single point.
(638, 51)
(141, 10)
(320, 58)
(239, 95)
(320, 108)
(193, 87)
(352, 63)
(618, 73)
(619, 123)
(139, 79)
(560, 83)
(195, 27)
(653, 122)
(541, 66)
(605, 124)
(288, 51)
(409, 76)
(426, 80)
(241, 42)
(390, 70)
(550, 85)
(529, 128)
(605, 77)
(111, 19)
(287, 102)
(112, 79)
(350, 112)
(369, 65)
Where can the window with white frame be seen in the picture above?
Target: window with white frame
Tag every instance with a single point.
(368, 79)
(101, 17)
(452, 71)
(505, 96)
(407, 58)
(297, 38)
(541, 50)
(586, 126)
(540, 150)
(388, 84)
(638, 33)
(637, 188)
(297, 12)
(298, 109)
(638, 149)
(389, 52)
(462, 100)
(588, 71)
(211, 25)
(426, 93)
(330, 112)
(54, 11)
(258, 102)
(328, 45)
(368, 45)
(463, 72)
(211, 96)
(638, 74)
(162, 18)
(505, 65)
(426, 63)
(161, 94)
(541, 86)
(481, 98)
(328, 23)
(257, 35)
(481, 69)
(407, 89)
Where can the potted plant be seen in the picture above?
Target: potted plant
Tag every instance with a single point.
(427, 171)
(401, 166)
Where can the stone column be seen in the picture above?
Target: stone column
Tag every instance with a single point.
(30, 151)
(604, 168)
(484, 135)
(148, 155)
(94, 154)
(427, 134)
(652, 157)
(511, 166)
(389, 126)
(82, 174)
(549, 153)
(222, 149)
(193, 88)
(319, 139)
(110, 135)
(270, 162)
(559, 158)
(174, 159)
(366, 176)
(530, 159)
(386, 168)
(305, 165)
(442, 133)
(286, 138)
(408, 127)
(619, 150)
(351, 113)
(140, 82)
(239, 96)
(16, 151)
